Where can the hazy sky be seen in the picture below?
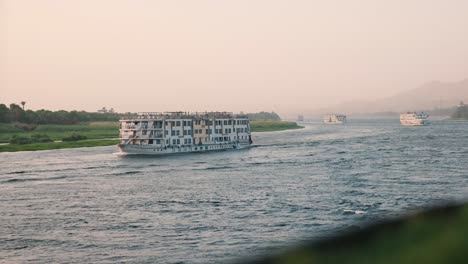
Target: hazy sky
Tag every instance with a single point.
(286, 56)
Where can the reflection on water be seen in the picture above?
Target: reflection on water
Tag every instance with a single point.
(92, 205)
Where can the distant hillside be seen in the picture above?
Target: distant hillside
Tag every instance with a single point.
(429, 96)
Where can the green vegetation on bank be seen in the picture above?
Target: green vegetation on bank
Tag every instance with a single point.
(93, 130)
(437, 236)
(58, 145)
(16, 113)
(269, 126)
(264, 116)
(34, 138)
(74, 137)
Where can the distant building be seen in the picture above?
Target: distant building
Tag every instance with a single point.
(461, 104)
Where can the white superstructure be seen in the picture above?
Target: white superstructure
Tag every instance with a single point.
(180, 132)
(334, 119)
(414, 119)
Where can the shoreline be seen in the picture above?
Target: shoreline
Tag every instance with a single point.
(58, 145)
(273, 126)
(257, 127)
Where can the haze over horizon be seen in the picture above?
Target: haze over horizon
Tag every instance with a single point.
(249, 56)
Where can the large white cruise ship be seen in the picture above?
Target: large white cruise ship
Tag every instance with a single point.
(334, 119)
(181, 132)
(414, 119)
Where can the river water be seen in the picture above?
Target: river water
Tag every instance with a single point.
(90, 205)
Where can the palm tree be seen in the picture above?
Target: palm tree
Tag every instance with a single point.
(23, 103)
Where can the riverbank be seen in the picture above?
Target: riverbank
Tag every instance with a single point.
(58, 145)
(271, 126)
(93, 130)
(97, 133)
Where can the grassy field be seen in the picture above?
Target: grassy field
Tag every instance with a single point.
(269, 126)
(94, 130)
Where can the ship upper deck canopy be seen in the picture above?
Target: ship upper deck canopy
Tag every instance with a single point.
(184, 115)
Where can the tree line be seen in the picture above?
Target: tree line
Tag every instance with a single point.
(461, 112)
(264, 116)
(16, 113)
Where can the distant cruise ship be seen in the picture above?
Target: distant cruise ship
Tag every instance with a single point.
(300, 118)
(414, 119)
(180, 132)
(334, 119)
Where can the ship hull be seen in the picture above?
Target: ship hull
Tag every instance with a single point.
(414, 119)
(334, 123)
(415, 123)
(152, 150)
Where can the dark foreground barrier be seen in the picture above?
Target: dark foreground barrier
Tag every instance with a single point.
(439, 235)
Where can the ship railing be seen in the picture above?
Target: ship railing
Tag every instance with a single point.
(180, 114)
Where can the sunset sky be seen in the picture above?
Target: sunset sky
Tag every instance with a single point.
(284, 56)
